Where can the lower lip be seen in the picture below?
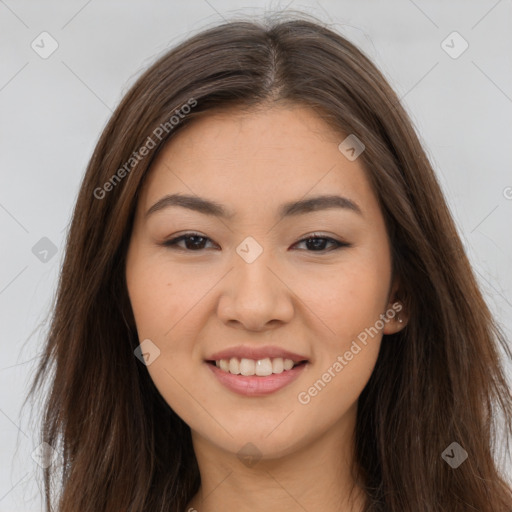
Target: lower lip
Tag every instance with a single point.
(255, 385)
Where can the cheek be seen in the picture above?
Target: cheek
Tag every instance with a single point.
(347, 300)
(163, 307)
(350, 304)
(160, 296)
(170, 306)
(149, 295)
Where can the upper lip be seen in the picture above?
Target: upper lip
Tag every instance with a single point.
(256, 353)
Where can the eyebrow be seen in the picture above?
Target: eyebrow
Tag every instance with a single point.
(212, 208)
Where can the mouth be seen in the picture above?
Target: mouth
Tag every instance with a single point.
(256, 367)
(256, 378)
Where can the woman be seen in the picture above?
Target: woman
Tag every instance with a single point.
(264, 302)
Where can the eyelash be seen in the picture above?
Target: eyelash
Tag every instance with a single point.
(172, 243)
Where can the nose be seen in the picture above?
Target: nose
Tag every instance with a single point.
(255, 296)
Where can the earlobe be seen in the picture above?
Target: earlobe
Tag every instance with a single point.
(397, 318)
(396, 315)
(401, 320)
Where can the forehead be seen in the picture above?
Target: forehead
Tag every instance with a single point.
(257, 158)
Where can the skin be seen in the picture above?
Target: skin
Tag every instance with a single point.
(314, 302)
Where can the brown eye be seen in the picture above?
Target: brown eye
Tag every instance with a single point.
(193, 242)
(318, 243)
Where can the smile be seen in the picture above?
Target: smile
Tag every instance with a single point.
(260, 367)
(256, 377)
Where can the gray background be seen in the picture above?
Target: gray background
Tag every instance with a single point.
(53, 110)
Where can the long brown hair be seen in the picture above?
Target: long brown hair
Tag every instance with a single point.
(438, 381)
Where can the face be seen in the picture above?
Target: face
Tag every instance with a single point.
(264, 282)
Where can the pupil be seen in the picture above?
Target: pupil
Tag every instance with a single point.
(316, 243)
(195, 241)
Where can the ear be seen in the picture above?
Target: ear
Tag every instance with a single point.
(395, 313)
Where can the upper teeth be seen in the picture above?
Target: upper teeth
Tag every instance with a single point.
(261, 367)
